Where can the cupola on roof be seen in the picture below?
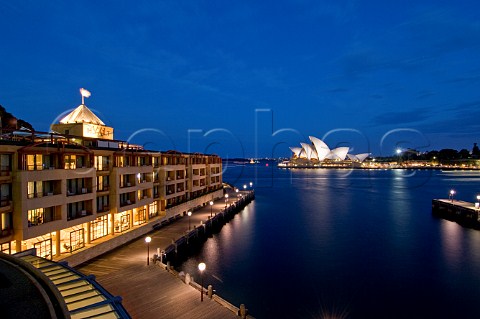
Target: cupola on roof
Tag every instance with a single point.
(82, 114)
(83, 122)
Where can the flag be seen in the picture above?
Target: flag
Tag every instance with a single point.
(85, 93)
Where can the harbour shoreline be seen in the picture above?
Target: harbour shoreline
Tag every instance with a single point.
(127, 260)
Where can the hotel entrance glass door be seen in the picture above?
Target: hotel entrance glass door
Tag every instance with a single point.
(44, 248)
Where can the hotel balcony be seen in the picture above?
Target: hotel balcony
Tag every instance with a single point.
(5, 174)
(132, 170)
(6, 232)
(103, 189)
(127, 184)
(45, 200)
(79, 191)
(103, 209)
(78, 214)
(145, 185)
(5, 203)
(170, 181)
(144, 200)
(128, 204)
(37, 228)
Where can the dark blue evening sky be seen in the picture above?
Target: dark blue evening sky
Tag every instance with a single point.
(250, 78)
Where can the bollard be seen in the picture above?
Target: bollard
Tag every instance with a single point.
(168, 266)
(210, 291)
(243, 311)
(188, 278)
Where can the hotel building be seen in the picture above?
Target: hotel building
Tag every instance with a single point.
(61, 192)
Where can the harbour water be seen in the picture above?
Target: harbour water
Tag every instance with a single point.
(350, 243)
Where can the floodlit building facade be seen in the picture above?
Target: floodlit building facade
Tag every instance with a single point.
(66, 189)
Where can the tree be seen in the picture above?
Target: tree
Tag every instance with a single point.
(432, 155)
(448, 154)
(464, 154)
(10, 122)
(475, 150)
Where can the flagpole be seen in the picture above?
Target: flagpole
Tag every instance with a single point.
(84, 93)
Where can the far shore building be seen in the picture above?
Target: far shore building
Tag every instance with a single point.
(77, 186)
(319, 153)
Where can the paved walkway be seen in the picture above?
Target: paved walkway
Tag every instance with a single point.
(150, 291)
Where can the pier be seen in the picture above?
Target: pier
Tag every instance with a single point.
(149, 286)
(464, 213)
(179, 249)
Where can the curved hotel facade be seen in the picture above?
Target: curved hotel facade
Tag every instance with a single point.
(64, 191)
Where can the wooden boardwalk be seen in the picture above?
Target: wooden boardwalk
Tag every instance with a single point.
(151, 291)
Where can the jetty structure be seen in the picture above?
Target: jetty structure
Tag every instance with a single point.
(464, 213)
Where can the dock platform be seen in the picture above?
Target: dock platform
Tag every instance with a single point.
(464, 213)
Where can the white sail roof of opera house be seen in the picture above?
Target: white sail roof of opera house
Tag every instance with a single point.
(358, 157)
(319, 150)
(296, 150)
(320, 146)
(81, 114)
(309, 151)
(339, 153)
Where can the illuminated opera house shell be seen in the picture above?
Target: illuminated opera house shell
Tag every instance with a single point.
(320, 151)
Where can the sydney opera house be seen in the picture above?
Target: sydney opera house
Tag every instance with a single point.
(319, 152)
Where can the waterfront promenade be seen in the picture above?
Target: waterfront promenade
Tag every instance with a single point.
(149, 291)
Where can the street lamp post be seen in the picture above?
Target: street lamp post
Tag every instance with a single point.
(251, 184)
(148, 239)
(477, 204)
(201, 267)
(189, 214)
(226, 200)
(211, 207)
(399, 153)
(244, 186)
(452, 193)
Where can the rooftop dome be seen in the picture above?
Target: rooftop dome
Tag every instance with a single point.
(82, 114)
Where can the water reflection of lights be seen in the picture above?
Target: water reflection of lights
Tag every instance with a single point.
(400, 173)
(211, 251)
(244, 214)
(451, 242)
(230, 246)
(474, 248)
